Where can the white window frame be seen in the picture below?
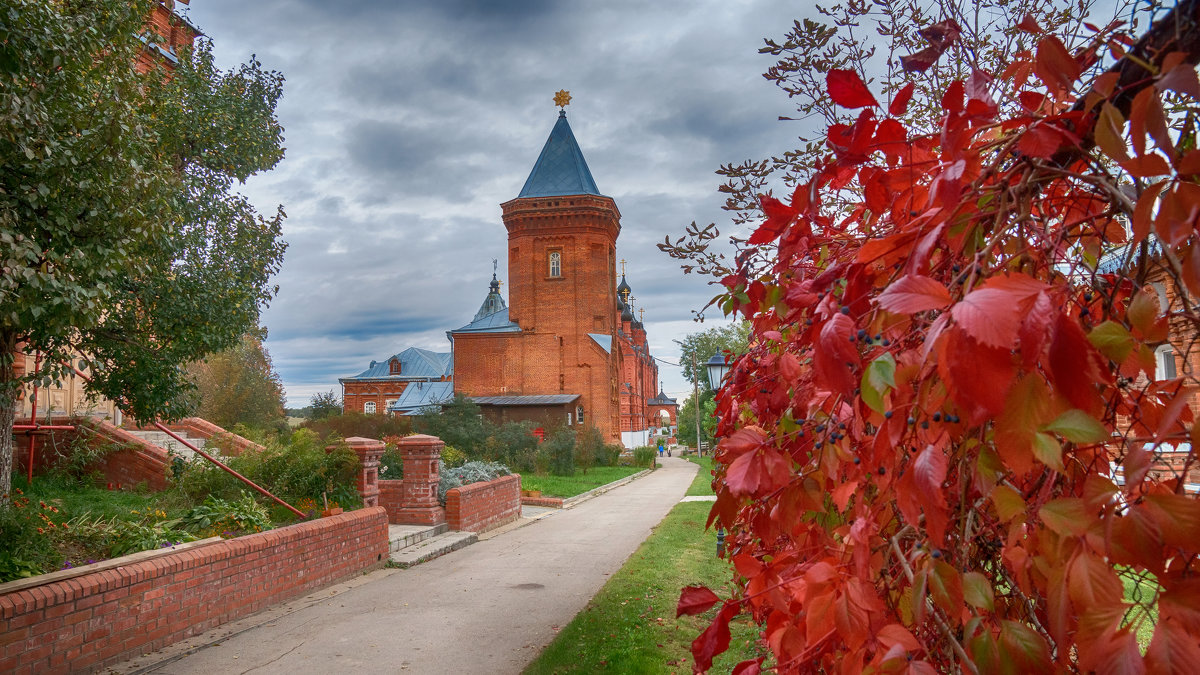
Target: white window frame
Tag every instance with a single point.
(1161, 356)
(555, 261)
(369, 408)
(568, 418)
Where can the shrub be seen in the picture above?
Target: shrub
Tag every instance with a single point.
(358, 424)
(644, 456)
(76, 458)
(516, 445)
(561, 450)
(28, 534)
(453, 457)
(589, 448)
(391, 464)
(471, 472)
(220, 517)
(457, 423)
(611, 455)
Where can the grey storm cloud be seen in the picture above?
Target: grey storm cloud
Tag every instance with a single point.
(409, 122)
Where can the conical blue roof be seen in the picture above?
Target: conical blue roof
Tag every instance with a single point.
(560, 169)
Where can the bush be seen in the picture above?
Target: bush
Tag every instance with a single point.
(77, 459)
(589, 448)
(358, 424)
(453, 457)
(644, 456)
(28, 533)
(611, 454)
(457, 423)
(561, 450)
(391, 464)
(471, 472)
(515, 446)
(227, 519)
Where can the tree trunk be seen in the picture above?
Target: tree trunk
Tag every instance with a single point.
(8, 412)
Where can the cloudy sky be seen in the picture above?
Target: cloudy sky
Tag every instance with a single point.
(408, 123)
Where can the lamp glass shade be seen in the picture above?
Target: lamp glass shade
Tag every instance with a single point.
(717, 368)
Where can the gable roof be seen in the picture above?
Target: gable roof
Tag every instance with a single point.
(496, 322)
(661, 399)
(414, 362)
(560, 170)
(420, 395)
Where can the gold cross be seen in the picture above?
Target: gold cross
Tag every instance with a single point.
(562, 98)
(622, 267)
(641, 314)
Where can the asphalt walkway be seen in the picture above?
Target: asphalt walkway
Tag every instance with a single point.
(489, 608)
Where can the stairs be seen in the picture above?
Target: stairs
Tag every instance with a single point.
(415, 544)
(172, 446)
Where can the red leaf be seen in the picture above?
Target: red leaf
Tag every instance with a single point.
(1055, 65)
(751, 667)
(914, 293)
(1172, 651)
(1024, 650)
(714, 640)
(846, 89)
(1182, 78)
(990, 315)
(1146, 166)
(1075, 366)
(1029, 25)
(920, 61)
(779, 216)
(929, 470)
(695, 600)
(1092, 583)
(835, 357)
(900, 101)
(978, 376)
(741, 441)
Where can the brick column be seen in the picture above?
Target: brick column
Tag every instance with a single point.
(369, 451)
(421, 454)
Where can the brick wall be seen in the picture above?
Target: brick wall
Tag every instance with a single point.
(480, 507)
(391, 498)
(227, 442)
(135, 463)
(87, 622)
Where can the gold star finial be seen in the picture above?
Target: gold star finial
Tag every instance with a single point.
(562, 98)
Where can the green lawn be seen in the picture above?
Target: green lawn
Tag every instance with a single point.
(569, 486)
(74, 498)
(702, 485)
(630, 626)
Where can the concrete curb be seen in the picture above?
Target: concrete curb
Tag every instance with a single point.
(596, 492)
(432, 548)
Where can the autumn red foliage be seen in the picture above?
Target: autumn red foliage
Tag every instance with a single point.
(933, 454)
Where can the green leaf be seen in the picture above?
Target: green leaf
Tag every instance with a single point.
(1048, 451)
(1067, 516)
(1009, 503)
(1078, 427)
(977, 591)
(1112, 340)
(879, 377)
(946, 586)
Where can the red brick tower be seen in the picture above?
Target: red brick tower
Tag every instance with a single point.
(559, 336)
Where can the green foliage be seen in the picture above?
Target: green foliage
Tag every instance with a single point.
(298, 470)
(239, 385)
(125, 537)
(560, 450)
(324, 404)
(226, 518)
(515, 445)
(569, 486)
(27, 530)
(699, 347)
(589, 449)
(471, 472)
(76, 459)
(391, 464)
(121, 235)
(358, 424)
(686, 430)
(453, 457)
(644, 456)
(458, 423)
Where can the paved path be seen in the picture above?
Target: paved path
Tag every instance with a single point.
(489, 608)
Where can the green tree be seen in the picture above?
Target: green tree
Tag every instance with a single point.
(686, 431)
(324, 404)
(699, 347)
(121, 236)
(239, 385)
(459, 423)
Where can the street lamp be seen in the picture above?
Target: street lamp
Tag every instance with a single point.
(718, 367)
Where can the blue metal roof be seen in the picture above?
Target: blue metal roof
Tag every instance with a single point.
(560, 169)
(419, 395)
(1112, 263)
(605, 341)
(414, 362)
(496, 322)
(537, 399)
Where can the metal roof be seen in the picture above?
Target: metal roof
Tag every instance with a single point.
(605, 341)
(661, 399)
(419, 395)
(1113, 261)
(414, 362)
(542, 399)
(496, 322)
(560, 170)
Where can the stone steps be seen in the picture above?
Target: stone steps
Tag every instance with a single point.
(403, 536)
(166, 442)
(433, 547)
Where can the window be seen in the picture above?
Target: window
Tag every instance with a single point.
(1164, 363)
(369, 407)
(389, 403)
(579, 414)
(568, 419)
(556, 263)
(394, 367)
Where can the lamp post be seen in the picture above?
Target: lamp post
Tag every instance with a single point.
(718, 368)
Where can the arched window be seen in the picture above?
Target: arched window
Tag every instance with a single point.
(369, 407)
(555, 263)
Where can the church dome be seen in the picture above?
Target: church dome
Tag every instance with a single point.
(623, 289)
(626, 313)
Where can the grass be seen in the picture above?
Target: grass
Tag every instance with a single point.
(74, 498)
(702, 485)
(630, 626)
(569, 486)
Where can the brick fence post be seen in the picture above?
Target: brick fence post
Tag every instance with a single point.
(369, 451)
(421, 454)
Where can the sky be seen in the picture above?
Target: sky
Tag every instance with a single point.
(408, 123)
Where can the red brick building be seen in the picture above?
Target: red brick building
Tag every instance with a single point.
(566, 347)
